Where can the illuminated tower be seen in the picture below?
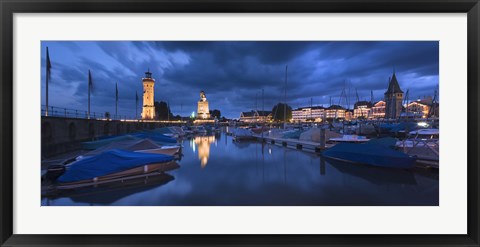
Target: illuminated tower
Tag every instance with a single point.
(148, 110)
(203, 112)
(393, 99)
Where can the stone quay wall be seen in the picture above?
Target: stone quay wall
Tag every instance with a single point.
(61, 135)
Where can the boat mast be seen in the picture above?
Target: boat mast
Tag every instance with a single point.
(264, 117)
(285, 106)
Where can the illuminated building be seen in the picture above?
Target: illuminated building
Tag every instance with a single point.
(203, 111)
(304, 114)
(418, 109)
(148, 110)
(378, 109)
(362, 109)
(334, 112)
(256, 116)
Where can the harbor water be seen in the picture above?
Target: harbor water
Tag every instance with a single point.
(216, 171)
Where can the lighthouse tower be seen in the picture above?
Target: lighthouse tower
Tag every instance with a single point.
(148, 110)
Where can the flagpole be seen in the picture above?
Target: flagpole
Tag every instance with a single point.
(47, 75)
(89, 82)
(116, 100)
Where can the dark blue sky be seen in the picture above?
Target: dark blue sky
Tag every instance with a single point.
(232, 74)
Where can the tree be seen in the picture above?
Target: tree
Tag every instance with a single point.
(162, 111)
(215, 113)
(278, 112)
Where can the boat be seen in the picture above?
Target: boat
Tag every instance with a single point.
(142, 145)
(350, 138)
(113, 164)
(92, 145)
(240, 134)
(369, 154)
(423, 143)
(108, 193)
(376, 175)
(187, 130)
(425, 133)
(421, 138)
(199, 130)
(156, 137)
(167, 150)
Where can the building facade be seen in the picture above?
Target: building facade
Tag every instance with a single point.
(308, 114)
(203, 111)
(256, 116)
(418, 109)
(393, 99)
(335, 112)
(378, 109)
(148, 109)
(363, 110)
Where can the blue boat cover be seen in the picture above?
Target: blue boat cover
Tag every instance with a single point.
(370, 154)
(109, 162)
(164, 130)
(157, 137)
(406, 126)
(100, 143)
(384, 141)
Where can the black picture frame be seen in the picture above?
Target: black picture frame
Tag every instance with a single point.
(9, 7)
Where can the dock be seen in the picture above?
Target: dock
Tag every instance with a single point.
(423, 161)
(316, 147)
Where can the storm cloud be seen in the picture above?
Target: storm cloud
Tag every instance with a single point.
(233, 74)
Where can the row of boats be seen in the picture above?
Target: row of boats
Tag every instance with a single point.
(419, 145)
(117, 158)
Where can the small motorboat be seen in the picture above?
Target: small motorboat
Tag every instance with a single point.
(168, 150)
(141, 145)
(240, 134)
(111, 165)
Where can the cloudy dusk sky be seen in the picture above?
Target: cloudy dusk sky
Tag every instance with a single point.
(233, 74)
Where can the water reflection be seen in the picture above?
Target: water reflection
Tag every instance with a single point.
(106, 194)
(263, 174)
(202, 144)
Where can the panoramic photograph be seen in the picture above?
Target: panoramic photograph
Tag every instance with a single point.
(239, 123)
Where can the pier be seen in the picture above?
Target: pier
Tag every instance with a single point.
(305, 145)
(297, 144)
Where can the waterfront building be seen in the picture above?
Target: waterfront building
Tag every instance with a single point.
(148, 109)
(203, 111)
(362, 109)
(378, 109)
(418, 109)
(335, 112)
(254, 116)
(393, 99)
(304, 114)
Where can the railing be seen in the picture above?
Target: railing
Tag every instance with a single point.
(54, 111)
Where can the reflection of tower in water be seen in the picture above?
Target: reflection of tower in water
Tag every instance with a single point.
(203, 145)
